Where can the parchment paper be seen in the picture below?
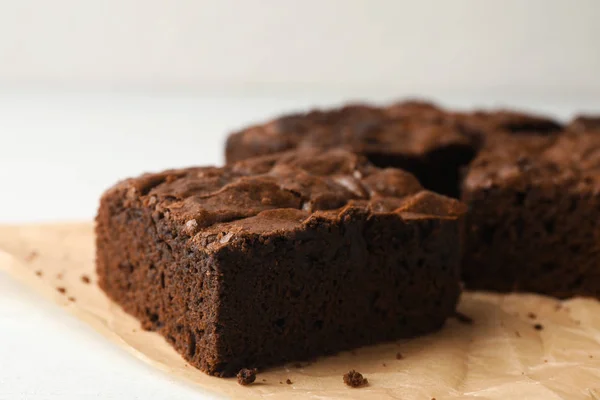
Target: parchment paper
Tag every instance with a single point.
(500, 356)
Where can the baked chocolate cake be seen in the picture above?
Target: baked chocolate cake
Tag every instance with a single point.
(529, 182)
(280, 257)
(533, 216)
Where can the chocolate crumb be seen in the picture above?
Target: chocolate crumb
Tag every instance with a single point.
(264, 380)
(462, 318)
(384, 365)
(31, 256)
(61, 290)
(399, 356)
(246, 376)
(281, 383)
(538, 327)
(85, 279)
(72, 299)
(532, 315)
(433, 398)
(38, 273)
(288, 382)
(355, 379)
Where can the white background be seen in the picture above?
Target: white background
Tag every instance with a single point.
(91, 92)
(528, 45)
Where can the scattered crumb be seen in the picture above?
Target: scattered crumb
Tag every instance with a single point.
(85, 279)
(281, 383)
(264, 380)
(578, 322)
(399, 356)
(59, 276)
(289, 382)
(61, 290)
(522, 373)
(72, 299)
(517, 334)
(591, 356)
(246, 376)
(355, 379)
(462, 318)
(433, 398)
(39, 273)
(532, 315)
(384, 365)
(31, 256)
(538, 327)
(546, 361)
(558, 307)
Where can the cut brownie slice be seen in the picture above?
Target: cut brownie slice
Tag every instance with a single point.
(534, 207)
(415, 136)
(280, 257)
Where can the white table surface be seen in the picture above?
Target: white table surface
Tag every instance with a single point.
(58, 152)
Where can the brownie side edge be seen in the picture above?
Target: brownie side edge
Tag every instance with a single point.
(146, 267)
(335, 284)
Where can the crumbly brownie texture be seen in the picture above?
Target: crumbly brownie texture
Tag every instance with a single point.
(279, 258)
(246, 376)
(534, 207)
(355, 379)
(530, 183)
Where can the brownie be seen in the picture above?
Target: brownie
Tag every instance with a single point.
(415, 136)
(533, 212)
(279, 258)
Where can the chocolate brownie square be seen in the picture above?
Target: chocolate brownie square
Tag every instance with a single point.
(279, 258)
(534, 206)
(416, 136)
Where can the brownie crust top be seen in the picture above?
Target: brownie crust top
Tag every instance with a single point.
(569, 160)
(411, 128)
(278, 192)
